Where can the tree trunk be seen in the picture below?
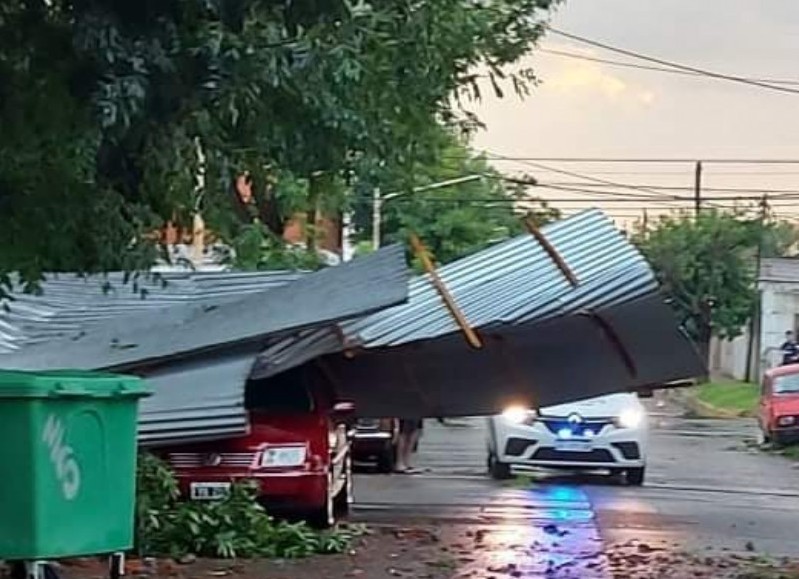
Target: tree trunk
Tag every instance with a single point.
(315, 187)
(703, 344)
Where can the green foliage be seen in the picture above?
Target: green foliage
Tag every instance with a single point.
(707, 264)
(107, 105)
(156, 494)
(455, 220)
(234, 527)
(780, 239)
(258, 248)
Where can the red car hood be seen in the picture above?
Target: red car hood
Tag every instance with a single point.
(274, 430)
(784, 404)
(270, 430)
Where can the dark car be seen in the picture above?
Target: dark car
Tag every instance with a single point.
(375, 441)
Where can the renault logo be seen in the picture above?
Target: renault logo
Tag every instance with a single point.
(575, 419)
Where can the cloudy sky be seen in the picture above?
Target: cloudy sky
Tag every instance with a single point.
(590, 109)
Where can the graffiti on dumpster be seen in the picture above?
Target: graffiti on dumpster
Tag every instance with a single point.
(62, 457)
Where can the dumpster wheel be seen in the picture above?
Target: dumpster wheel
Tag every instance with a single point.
(23, 570)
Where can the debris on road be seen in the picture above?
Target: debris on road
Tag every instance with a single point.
(465, 552)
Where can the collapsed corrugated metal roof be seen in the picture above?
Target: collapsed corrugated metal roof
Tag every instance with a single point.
(69, 304)
(518, 291)
(623, 347)
(335, 293)
(197, 352)
(513, 282)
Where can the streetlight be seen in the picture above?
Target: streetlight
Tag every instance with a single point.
(378, 200)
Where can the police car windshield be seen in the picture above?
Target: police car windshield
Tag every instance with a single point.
(788, 384)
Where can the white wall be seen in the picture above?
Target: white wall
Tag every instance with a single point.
(728, 357)
(780, 308)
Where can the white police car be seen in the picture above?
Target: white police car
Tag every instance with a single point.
(605, 433)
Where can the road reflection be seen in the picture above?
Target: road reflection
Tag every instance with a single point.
(546, 531)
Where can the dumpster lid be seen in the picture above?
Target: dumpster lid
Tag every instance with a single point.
(69, 383)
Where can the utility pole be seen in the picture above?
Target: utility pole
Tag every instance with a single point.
(378, 199)
(698, 188)
(755, 319)
(377, 209)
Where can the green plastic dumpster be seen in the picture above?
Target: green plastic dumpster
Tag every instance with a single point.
(67, 463)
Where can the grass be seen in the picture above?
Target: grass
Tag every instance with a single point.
(733, 397)
(789, 452)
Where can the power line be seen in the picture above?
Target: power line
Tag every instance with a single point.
(580, 188)
(678, 66)
(579, 56)
(540, 166)
(651, 160)
(679, 188)
(683, 173)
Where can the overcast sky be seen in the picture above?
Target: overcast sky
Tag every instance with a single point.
(589, 109)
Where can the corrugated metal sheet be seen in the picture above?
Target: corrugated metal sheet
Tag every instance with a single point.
(71, 304)
(516, 281)
(198, 351)
(559, 360)
(196, 399)
(537, 339)
(510, 283)
(356, 288)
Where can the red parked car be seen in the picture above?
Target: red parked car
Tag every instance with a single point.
(298, 450)
(779, 405)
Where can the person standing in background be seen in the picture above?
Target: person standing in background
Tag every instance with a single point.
(790, 349)
(410, 430)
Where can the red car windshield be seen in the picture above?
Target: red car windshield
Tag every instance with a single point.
(787, 384)
(282, 395)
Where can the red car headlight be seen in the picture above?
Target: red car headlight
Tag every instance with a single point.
(283, 456)
(786, 420)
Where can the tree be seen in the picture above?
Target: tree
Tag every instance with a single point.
(707, 265)
(455, 220)
(111, 109)
(779, 239)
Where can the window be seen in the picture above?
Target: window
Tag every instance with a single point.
(788, 384)
(284, 394)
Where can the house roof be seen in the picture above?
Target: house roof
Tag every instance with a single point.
(779, 270)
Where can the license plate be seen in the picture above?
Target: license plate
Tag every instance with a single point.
(209, 491)
(573, 446)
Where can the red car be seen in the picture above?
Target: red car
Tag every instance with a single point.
(298, 450)
(779, 405)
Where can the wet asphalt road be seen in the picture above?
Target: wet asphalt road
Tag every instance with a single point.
(706, 489)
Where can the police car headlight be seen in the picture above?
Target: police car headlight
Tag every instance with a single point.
(519, 415)
(630, 418)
